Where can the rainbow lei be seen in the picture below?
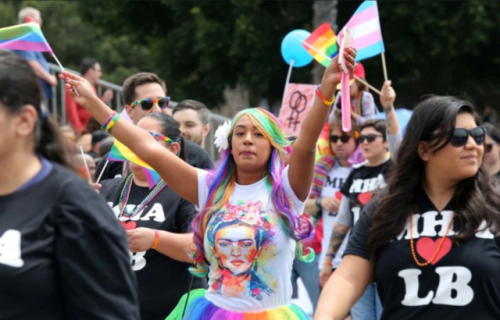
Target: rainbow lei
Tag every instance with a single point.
(124, 195)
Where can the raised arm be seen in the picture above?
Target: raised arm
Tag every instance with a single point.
(304, 149)
(387, 97)
(180, 176)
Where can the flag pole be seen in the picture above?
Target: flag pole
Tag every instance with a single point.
(330, 59)
(102, 171)
(384, 66)
(62, 68)
(85, 162)
(287, 80)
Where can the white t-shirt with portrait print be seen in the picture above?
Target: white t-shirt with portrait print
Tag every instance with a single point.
(249, 252)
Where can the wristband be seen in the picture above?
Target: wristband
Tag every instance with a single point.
(331, 255)
(329, 264)
(317, 203)
(108, 125)
(325, 101)
(157, 239)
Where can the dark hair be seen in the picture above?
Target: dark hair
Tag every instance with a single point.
(475, 199)
(197, 106)
(170, 129)
(98, 136)
(492, 131)
(128, 90)
(377, 124)
(92, 125)
(19, 86)
(106, 145)
(87, 64)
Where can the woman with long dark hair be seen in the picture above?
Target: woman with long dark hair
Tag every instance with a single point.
(431, 239)
(62, 254)
(152, 218)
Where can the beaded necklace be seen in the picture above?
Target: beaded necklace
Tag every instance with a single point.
(124, 195)
(412, 247)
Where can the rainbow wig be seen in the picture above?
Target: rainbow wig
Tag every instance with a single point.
(222, 182)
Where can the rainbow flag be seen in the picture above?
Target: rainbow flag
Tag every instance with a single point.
(364, 27)
(323, 40)
(120, 152)
(26, 36)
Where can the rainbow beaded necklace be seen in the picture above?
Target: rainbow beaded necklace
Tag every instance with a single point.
(124, 195)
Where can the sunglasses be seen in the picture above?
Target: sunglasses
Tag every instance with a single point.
(460, 136)
(161, 137)
(369, 137)
(147, 104)
(488, 147)
(343, 138)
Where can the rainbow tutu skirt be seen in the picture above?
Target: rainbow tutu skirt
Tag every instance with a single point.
(199, 308)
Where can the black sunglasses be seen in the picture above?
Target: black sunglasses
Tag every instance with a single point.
(147, 104)
(460, 136)
(369, 137)
(343, 138)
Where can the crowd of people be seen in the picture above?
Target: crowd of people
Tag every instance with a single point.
(385, 226)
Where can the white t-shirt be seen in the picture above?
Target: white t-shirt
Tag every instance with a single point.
(250, 254)
(333, 183)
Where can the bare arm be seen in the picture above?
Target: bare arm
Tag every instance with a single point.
(175, 245)
(40, 72)
(180, 176)
(387, 98)
(304, 149)
(310, 208)
(338, 235)
(344, 288)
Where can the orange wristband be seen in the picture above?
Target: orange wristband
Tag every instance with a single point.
(327, 102)
(157, 239)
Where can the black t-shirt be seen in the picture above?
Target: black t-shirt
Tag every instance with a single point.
(196, 156)
(161, 280)
(462, 283)
(360, 185)
(63, 255)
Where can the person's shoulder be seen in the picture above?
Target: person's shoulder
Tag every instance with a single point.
(192, 147)
(197, 156)
(359, 166)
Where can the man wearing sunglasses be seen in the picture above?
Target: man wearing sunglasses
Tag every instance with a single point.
(145, 93)
(492, 150)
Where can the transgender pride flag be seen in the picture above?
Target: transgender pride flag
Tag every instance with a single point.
(365, 30)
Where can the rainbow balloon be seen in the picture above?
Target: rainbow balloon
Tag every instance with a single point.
(120, 152)
(26, 36)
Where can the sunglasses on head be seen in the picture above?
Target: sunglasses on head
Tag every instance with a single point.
(461, 136)
(343, 138)
(147, 104)
(369, 137)
(162, 137)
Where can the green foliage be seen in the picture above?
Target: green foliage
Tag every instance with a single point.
(202, 47)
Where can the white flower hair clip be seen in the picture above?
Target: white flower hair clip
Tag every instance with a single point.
(222, 135)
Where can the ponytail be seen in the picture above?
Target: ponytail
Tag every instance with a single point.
(48, 142)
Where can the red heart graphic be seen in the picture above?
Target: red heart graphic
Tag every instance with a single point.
(130, 225)
(426, 247)
(339, 195)
(365, 197)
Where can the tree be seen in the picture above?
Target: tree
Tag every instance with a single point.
(200, 47)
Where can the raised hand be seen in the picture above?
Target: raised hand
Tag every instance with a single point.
(388, 95)
(84, 88)
(331, 77)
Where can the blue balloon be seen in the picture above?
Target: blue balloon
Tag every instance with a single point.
(292, 48)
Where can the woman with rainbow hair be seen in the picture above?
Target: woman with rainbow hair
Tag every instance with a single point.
(253, 186)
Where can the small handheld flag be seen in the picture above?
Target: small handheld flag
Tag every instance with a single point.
(26, 36)
(365, 29)
(322, 44)
(120, 152)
